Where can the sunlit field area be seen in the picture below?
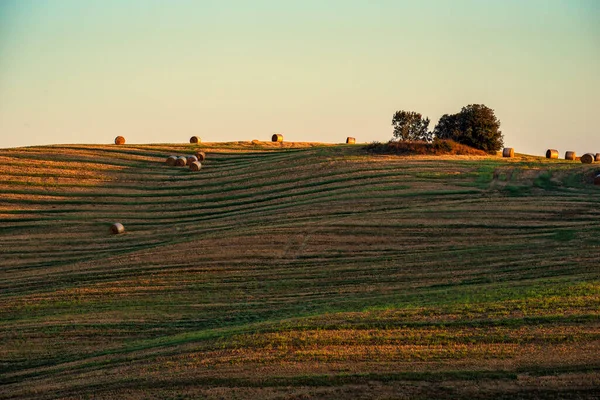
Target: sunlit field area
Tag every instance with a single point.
(296, 270)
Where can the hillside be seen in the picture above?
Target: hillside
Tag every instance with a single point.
(296, 270)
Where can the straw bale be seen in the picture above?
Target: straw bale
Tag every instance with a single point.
(508, 152)
(201, 156)
(117, 228)
(551, 153)
(181, 161)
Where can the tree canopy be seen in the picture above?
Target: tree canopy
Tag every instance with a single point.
(475, 125)
(410, 125)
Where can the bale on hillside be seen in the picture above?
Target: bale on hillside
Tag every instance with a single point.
(191, 159)
(350, 140)
(181, 161)
(171, 160)
(201, 156)
(587, 158)
(117, 228)
(597, 157)
(119, 140)
(195, 166)
(278, 137)
(570, 155)
(550, 153)
(194, 139)
(508, 152)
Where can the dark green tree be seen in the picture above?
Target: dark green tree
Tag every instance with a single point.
(475, 125)
(409, 125)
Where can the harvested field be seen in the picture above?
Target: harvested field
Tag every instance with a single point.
(344, 274)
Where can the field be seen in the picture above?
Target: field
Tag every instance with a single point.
(296, 271)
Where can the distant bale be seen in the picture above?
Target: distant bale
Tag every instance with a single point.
(587, 158)
(597, 157)
(570, 155)
(350, 140)
(277, 138)
(201, 156)
(191, 159)
(119, 140)
(550, 153)
(195, 139)
(171, 160)
(508, 152)
(117, 228)
(195, 166)
(181, 161)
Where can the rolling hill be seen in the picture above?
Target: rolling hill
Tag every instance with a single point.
(296, 271)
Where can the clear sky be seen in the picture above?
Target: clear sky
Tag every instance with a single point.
(75, 71)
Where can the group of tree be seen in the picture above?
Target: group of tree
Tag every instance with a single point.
(475, 125)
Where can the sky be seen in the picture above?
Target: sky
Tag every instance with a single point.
(155, 71)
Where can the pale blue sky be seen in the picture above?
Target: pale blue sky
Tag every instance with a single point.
(161, 71)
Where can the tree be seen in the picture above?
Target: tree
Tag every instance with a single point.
(475, 125)
(409, 125)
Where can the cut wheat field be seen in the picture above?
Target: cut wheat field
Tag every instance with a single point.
(296, 271)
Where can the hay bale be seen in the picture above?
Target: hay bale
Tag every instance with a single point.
(587, 158)
(181, 161)
(508, 152)
(201, 156)
(597, 158)
(191, 159)
(597, 180)
(551, 153)
(119, 140)
(277, 138)
(570, 155)
(117, 228)
(195, 139)
(171, 160)
(350, 140)
(195, 166)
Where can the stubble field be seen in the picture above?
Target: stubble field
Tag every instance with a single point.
(296, 271)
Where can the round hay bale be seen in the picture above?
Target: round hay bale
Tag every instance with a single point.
(277, 138)
(350, 140)
(181, 161)
(597, 180)
(570, 155)
(551, 153)
(171, 160)
(587, 158)
(195, 139)
(119, 140)
(195, 166)
(117, 228)
(597, 158)
(508, 152)
(191, 159)
(201, 156)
